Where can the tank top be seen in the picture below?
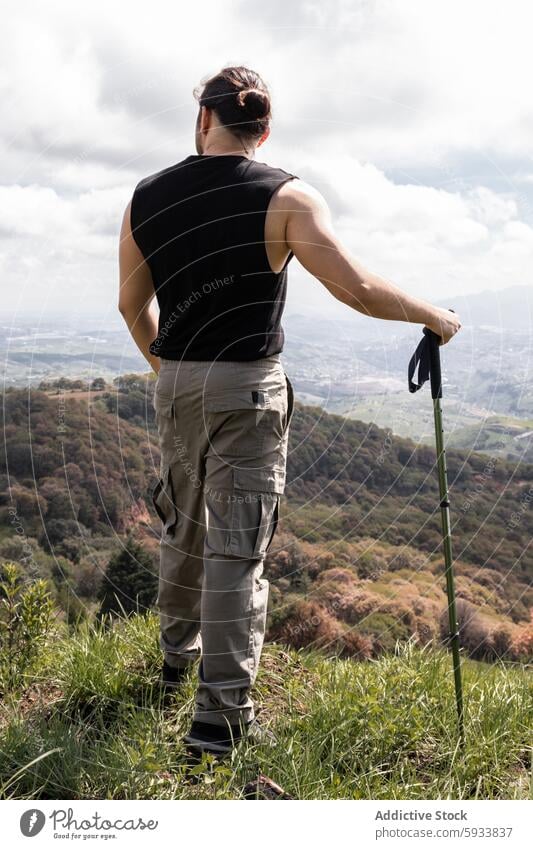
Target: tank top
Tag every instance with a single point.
(200, 225)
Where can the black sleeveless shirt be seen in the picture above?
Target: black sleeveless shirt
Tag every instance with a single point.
(200, 225)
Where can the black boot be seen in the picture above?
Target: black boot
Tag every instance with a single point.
(219, 740)
(171, 678)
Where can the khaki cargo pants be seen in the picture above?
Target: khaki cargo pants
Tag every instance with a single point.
(223, 431)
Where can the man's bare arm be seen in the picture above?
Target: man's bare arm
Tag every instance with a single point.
(310, 236)
(136, 292)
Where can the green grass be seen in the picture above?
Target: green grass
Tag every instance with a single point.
(91, 725)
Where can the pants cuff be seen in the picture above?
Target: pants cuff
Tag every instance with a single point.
(177, 662)
(224, 717)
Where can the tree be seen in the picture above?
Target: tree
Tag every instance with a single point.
(130, 581)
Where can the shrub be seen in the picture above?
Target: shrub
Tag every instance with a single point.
(288, 560)
(338, 574)
(26, 611)
(522, 645)
(370, 566)
(88, 577)
(357, 645)
(305, 624)
(386, 629)
(308, 624)
(358, 605)
(474, 633)
(407, 559)
(501, 642)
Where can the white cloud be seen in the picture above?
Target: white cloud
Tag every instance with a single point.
(98, 95)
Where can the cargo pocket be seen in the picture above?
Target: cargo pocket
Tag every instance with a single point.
(166, 423)
(254, 512)
(237, 399)
(164, 501)
(239, 420)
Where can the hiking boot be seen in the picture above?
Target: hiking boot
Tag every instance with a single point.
(171, 678)
(219, 740)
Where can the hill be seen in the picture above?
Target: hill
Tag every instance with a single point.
(357, 561)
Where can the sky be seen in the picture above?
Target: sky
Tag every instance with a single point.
(413, 119)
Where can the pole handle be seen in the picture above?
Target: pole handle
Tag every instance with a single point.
(427, 359)
(435, 374)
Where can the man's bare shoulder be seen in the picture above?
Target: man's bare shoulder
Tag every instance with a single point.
(298, 195)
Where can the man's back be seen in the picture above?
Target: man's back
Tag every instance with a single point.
(201, 226)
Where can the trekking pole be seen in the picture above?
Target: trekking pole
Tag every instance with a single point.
(427, 357)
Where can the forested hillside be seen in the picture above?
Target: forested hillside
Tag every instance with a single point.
(356, 563)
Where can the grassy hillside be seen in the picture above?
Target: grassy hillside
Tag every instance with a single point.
(505, 434)
(467, 426)
(87, 722)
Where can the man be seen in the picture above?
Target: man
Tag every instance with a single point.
(211, 237)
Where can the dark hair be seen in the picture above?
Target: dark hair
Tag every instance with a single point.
(240, 99)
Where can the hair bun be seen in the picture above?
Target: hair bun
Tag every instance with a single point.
(255, 102)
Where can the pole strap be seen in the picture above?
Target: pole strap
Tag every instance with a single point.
(444, 503)
(427, 359)
(421, 359)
